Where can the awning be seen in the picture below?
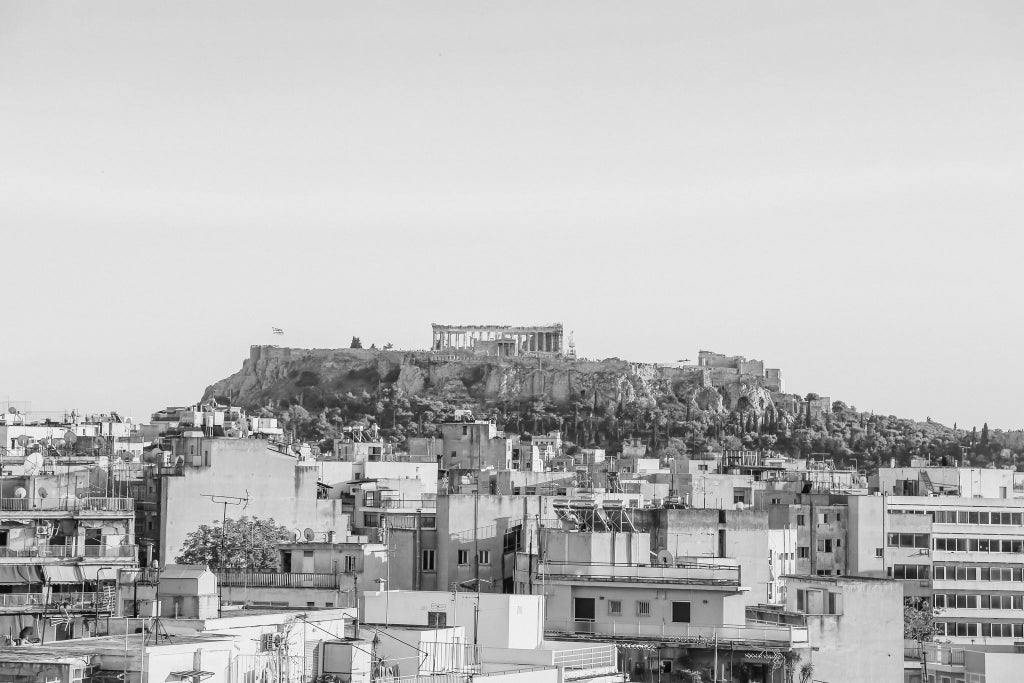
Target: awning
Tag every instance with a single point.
(91, 572)
(60, 573)
(194, 674)
(16, 575)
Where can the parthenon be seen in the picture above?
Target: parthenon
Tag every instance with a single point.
(498, 340)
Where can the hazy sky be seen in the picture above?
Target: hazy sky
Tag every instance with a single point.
(836, 188)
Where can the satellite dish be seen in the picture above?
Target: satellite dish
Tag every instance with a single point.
(20, 492)
(23, 440)
(43, 493)
(70, 437)
(33, 463)
(297, 534)
(309, 534)
(57, 443)
(665, 557)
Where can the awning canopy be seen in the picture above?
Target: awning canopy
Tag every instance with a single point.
(19, 574)
(90, 572)
(60, 573)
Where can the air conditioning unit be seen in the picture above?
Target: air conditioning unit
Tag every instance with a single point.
(922, 551)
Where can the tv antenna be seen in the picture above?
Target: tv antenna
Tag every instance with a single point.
(224, 501)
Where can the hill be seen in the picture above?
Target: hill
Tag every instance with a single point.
(317, 392)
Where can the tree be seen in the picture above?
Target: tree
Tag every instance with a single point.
(356, 344)
(242, 544)
(984, 435)
(919, 622)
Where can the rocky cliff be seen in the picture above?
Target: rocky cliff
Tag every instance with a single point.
(274, 376)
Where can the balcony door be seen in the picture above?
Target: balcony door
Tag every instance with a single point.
(584, 609)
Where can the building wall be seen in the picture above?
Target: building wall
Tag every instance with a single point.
(739, 534)
(276, 485)
(863, 644)
(866, 536)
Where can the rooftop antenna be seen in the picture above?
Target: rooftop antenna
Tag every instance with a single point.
(224, 501)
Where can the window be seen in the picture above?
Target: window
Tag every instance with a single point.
(615, 607)
(307, 553)
(681, 612)
(583, 609)
(463, 557)
(803, 551)
(429, 522)
(483, 557)
(427, 561)
(878, 552)
(370, 520)
(801, 520)
(454, 454)
(643, 608)
(350, 563)
(437, 619)
(465, 430)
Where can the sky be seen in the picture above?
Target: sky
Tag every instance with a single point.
(834, 188)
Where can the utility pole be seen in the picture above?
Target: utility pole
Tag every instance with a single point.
(224, 501)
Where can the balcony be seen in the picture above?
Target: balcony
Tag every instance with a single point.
(688, 573)
(279, 580)
(16, 602)
(84, 506)
(127, 552)
(761, 635)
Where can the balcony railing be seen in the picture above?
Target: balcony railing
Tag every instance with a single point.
(122, 551)
(597, 657)
(697, 635)
(693, 574)
(42, 600)
(279, 580)
(67, 504)
(110, 551)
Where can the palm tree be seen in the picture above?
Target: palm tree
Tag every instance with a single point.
(806, 672)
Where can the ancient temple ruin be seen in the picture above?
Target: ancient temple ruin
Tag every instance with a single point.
(498, 340)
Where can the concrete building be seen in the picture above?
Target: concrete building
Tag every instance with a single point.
(276, 483)
(742, 535)
(961, 556)
(965, 482)
(822, 539)
(668, 617)
(60, 550)
(855, 626)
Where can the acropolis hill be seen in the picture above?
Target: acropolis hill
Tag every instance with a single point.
(529, 381)
(314, 378)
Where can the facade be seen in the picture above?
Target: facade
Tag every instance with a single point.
(960, 556)
(855, 626)
(667, 618)
(208, 470)
(60, 552)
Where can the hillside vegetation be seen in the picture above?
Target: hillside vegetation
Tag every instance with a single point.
(317, 393)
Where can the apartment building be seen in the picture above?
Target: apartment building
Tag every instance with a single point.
(963, 556)
(669, 616)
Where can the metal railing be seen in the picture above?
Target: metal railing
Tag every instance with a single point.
(701, 636)
(77, 598)
(279, 580)
(67, 504)
(695, 574)
(587, 657)
(125, 551)
(110, 551)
